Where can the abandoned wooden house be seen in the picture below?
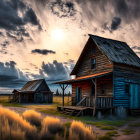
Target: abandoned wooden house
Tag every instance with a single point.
(36, 91)
(107, 76)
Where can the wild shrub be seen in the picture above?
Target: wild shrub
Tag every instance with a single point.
(14, 125)
(51, 127)
(33, 117)
(78, 131)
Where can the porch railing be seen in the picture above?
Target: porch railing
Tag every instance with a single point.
(84, 101)
(104, 102)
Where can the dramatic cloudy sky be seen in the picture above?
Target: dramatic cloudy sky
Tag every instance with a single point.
(44, 38)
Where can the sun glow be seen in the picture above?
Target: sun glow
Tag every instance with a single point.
(57, 34)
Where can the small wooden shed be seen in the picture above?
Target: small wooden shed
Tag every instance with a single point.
(36, 91)
(107, 76)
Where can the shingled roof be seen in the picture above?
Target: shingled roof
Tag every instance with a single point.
(32, 85)
(116, 51)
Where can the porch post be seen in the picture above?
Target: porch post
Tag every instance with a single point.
(63, 94)
(94, 99)
(63, 87)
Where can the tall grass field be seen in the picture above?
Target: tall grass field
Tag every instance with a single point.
(30, 125)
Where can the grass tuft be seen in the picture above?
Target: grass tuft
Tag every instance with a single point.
(112, 133)
(33, 117)
(134, 124)
(79, 131)
(128, 131)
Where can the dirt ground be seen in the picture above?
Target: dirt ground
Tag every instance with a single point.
(97, 130)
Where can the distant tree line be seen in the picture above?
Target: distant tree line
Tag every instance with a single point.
(57, 93)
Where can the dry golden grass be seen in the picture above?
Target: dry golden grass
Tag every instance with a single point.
(15, 127)
(51, 127)
(4, 99)
(11, 132)
(11, 122)
(33, 117)
(78, 131)
(58, 100)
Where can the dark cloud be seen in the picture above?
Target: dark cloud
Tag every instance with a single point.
(55, 71)
(136, 47)
(69, 62)
(17, 38)
(97, 11)
(12, 22)
(10, 64)
(43, 51)
(127, 9)
(116, 21)
(4, 44)
(31, 17)
(1, 34)
(3, 47)
(10, 76)
(63, 9)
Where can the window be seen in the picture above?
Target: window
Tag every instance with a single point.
(92, 50)
(102, 88)
(92, 90)
(93, 63)
(127, 88)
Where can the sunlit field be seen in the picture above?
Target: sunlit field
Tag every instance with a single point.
(4, 99)
(45, 108)
(58, 100)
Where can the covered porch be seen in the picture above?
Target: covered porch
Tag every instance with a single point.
(89, 93)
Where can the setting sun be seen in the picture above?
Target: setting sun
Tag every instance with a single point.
(57, 34)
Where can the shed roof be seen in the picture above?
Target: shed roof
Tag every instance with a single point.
(83, 78)
(32, 85)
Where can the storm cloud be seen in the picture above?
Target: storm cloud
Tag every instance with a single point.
(15, 15)
(116, 21)
(10, 76)
(43, 51)
(63, 8)
(55, 71)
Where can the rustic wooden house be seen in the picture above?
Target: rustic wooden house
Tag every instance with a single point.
(107, 76)
(36, 91)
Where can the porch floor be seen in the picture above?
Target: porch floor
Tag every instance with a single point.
(80, 110)
(75, 110)
(74, 107)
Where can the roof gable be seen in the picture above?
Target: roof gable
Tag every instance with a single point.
(116, 51)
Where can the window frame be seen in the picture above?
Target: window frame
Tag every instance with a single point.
(93, 64)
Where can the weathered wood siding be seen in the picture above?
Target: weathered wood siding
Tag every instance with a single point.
(43, 87)
(86, 88)
(123, 75)
(108, 82)
(103, 64)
